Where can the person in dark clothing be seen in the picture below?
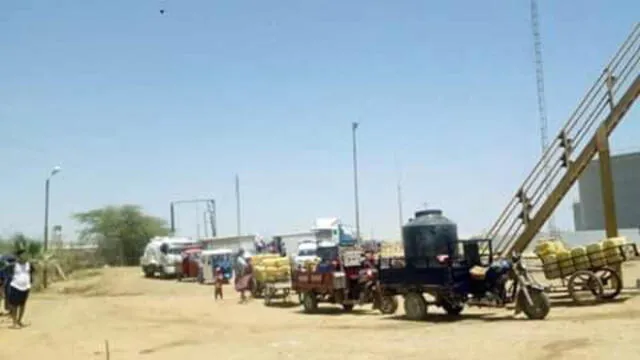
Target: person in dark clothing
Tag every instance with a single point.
(21, 274)
(5, 279)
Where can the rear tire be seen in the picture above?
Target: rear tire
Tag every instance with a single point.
(347, 307)
(415, 306)
(309, 302)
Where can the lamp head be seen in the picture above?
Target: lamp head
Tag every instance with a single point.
(55, 170)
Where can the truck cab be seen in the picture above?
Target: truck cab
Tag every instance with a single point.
(163, 255)
(307, 251)
(332, 229)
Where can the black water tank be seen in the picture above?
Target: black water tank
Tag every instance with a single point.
(428, 235)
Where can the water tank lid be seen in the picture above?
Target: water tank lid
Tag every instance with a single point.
(428, 212)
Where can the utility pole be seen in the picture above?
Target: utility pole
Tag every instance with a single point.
(238, 204)
(197, 221)
(204, 223)
(354, 127)
(47, 186)
(399, 192)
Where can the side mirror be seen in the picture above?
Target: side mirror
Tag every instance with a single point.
(164, 248)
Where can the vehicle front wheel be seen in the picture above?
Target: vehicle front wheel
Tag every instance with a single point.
(415, 306)
(540, 307)
(148, 272)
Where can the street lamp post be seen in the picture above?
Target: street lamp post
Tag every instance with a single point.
(354, 127)
(47, 183)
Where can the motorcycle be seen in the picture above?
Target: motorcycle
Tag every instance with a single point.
(371, 292)
(509, 281)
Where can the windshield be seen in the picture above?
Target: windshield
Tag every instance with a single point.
(328, 253)
(176, 250)
(324, 233)
(221, 258)
(307, 252)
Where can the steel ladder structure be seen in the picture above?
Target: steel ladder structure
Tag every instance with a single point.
(583, 136)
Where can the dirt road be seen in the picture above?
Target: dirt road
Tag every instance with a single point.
(157, 319)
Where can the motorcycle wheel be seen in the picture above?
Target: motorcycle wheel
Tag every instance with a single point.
(541, 304)
(388, 304)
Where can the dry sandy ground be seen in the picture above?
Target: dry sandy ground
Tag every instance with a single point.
(159, 319)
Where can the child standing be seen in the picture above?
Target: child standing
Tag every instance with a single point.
(218, 283)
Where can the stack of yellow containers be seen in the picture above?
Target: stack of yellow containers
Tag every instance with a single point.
(392, 250)
(548, 251)
(611, 250)
(310, 265)
(595, 254)
(558, 261)
(271, 267)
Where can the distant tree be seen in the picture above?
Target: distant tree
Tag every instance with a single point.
(120, 232)
(20, 241)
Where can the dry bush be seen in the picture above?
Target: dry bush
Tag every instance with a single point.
(61, 264)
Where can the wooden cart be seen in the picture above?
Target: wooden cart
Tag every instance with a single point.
(590, 277)
(277, 290)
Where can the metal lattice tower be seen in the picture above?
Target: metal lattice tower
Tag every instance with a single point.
(542, 107)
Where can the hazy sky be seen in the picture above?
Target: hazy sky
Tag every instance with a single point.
(139, 107)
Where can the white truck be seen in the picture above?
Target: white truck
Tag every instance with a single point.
(332, 229)
(163, 254)
(307, 251)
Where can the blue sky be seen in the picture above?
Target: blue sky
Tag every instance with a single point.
(144, 108)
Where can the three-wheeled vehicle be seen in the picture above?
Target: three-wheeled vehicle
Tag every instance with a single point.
(341, 278)
(210, 260)
(456, 273)
(189, 266)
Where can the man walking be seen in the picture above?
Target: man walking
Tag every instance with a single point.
(21, 274)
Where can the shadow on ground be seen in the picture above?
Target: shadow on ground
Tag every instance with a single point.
(337, 311)
(443, 318)
(283, 304)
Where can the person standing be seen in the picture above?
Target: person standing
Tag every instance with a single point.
(244, 277)
(21, 274)
(219, 281)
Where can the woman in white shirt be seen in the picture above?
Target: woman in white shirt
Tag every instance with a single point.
(21, 277)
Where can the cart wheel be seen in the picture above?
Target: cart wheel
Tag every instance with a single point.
(309, 302)
(388, 304)
(415, 306)
(611, 283)
(347, 307)
(257, 289)
(585, 287)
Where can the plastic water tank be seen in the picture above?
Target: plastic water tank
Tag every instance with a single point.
(428, 235)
